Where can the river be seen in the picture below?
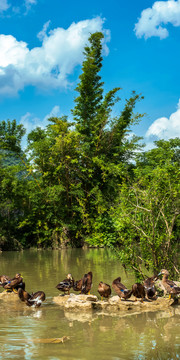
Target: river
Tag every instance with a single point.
(150, 335)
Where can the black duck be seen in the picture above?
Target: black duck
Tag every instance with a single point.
(66, 284)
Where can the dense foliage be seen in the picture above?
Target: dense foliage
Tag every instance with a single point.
(88, 181)
(148, 208)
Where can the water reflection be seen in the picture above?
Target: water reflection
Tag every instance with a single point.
(151, 335)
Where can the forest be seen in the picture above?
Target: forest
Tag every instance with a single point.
(89, 182)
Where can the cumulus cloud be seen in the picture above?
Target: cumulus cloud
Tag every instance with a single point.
(4, 5)
(164, 128)
(49, 65)
(153, 21)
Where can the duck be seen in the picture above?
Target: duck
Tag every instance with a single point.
(78, 285)
(150, 287)
(34, 299)
(104, 290)
(120, 289)
(169, 285)
(14, 283)
(66, 284)
(23, 295)
(138, 290)
(86, 283)
(4, 279)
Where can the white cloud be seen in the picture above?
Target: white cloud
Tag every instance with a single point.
(24, 6)
(49, 65)
(153, 21)
(30, 122)
(41, 35)
(55, 112)
(164, 128)
(28, 4)
(4, 5)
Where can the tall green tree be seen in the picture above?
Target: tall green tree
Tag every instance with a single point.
(92, 109)
(106, 150)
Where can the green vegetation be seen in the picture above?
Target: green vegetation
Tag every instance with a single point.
(147, 212)
(88, 181)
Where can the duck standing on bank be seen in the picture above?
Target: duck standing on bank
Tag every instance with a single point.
(170, 287)
(78, 285)
(104, 290)
(4, 279)
(86, 283)
(149, 286)
(14, 284)
(120, 289)
(66, 284)
(138, 290)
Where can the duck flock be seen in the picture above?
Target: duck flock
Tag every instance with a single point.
(83, 286)
(140, 291)
(17, 285)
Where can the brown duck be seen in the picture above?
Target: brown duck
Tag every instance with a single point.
(66, 284)
(4, 279)
(86, 283)
(120, 289)
(149, 285)
(78, 285)
(169, 285)
(14, 284)
(34, 299)
(138, 290)
(104, 290)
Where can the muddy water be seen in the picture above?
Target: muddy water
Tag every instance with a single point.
(151, 335)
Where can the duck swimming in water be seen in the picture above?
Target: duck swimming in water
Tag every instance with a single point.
(86, 283)
(104, 290)
(169, 285)
(34, 299)
(66, 284)
(120, 289)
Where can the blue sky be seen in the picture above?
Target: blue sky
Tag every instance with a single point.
(41, 44)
